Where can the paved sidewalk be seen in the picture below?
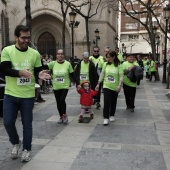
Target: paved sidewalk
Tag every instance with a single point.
(135, 141)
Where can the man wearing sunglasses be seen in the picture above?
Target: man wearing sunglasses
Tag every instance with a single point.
(96, 58)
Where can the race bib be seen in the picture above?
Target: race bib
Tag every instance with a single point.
(23, 81)
(110, 79)
(83, 76)
(59, 79)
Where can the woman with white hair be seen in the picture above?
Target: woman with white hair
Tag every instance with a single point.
(85, 71)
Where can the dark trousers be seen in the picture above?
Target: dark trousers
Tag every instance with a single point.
(10, 109)
(60, 96)
(110, 102)
(130, 93)
(147, 75)
(153, 73)
(97, 97)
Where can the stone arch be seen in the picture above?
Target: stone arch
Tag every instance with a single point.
(47, 20)
(46, 44)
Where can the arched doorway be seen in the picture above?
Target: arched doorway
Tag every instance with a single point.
(47, 44)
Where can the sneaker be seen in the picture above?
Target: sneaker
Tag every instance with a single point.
(98, 106)
(15, 150)
(112, 118)
(91, 116)
(106, 122)
(26, 156)
(60, 120)
(132, 110)
(65, 118)
(80, 120)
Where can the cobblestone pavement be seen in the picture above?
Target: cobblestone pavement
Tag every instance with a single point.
(135, 141)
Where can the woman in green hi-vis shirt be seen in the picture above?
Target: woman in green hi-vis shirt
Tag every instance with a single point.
(112, 77)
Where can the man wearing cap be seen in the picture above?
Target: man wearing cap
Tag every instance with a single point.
(96, 58)
(85, 71)
(129, 86)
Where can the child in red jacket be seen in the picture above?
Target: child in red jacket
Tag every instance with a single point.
(86, 99)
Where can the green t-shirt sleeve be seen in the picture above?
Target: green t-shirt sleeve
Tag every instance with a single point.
(38, 61)
(5, 55)
(70, 68)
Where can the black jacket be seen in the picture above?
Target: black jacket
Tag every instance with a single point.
(93, 76)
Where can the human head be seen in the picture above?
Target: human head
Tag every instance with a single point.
(130, 58)
(117, 50)
(112, 58)
(107, 49)
(22, 37)
(85, 85)
(60, 55)
(85, 56)
(96, 50)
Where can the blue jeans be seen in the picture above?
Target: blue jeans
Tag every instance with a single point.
(11, 106)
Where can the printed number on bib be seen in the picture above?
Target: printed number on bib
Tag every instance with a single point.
(110, 79)
(23, 81)
(59, 79)
(83, 76)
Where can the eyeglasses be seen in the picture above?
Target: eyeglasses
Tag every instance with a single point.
(59, 53)
(25, 38)
(96, 51)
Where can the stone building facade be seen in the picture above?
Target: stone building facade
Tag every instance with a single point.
(47, 19)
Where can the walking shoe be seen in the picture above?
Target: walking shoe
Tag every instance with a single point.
(106, 122)
(80, 120)
(132, 110)
(26, 156)
(91, 116)
(98, 106)
(15, 150)
(65, 118)
(112, 118)
(60, 120)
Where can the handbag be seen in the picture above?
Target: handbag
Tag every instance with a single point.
(131, 75)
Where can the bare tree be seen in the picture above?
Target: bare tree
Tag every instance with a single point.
(28, 13)
(150, 11)
(64, 10)
(92, 7)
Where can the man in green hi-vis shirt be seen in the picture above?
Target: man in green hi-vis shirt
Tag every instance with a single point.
(129, 87)
(20, 64)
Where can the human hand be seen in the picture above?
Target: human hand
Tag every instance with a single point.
(97, 87)
(132, 67)
(25, 73)
(44, 75)
(118, 89)
(78, 87)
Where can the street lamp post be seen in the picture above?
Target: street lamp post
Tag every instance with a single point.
(97, 36)
(73, 24)
(116, 41)
(166, 11)
(157, 45)
(123, 45)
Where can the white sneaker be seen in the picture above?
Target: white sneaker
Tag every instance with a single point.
(26, 156)
(65, 118)
(112, 118)
(15, 150)
(106, 122)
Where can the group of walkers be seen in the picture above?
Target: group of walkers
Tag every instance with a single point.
(22, 66)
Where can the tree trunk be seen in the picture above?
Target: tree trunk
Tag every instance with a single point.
(28, 14)
(87, 34)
